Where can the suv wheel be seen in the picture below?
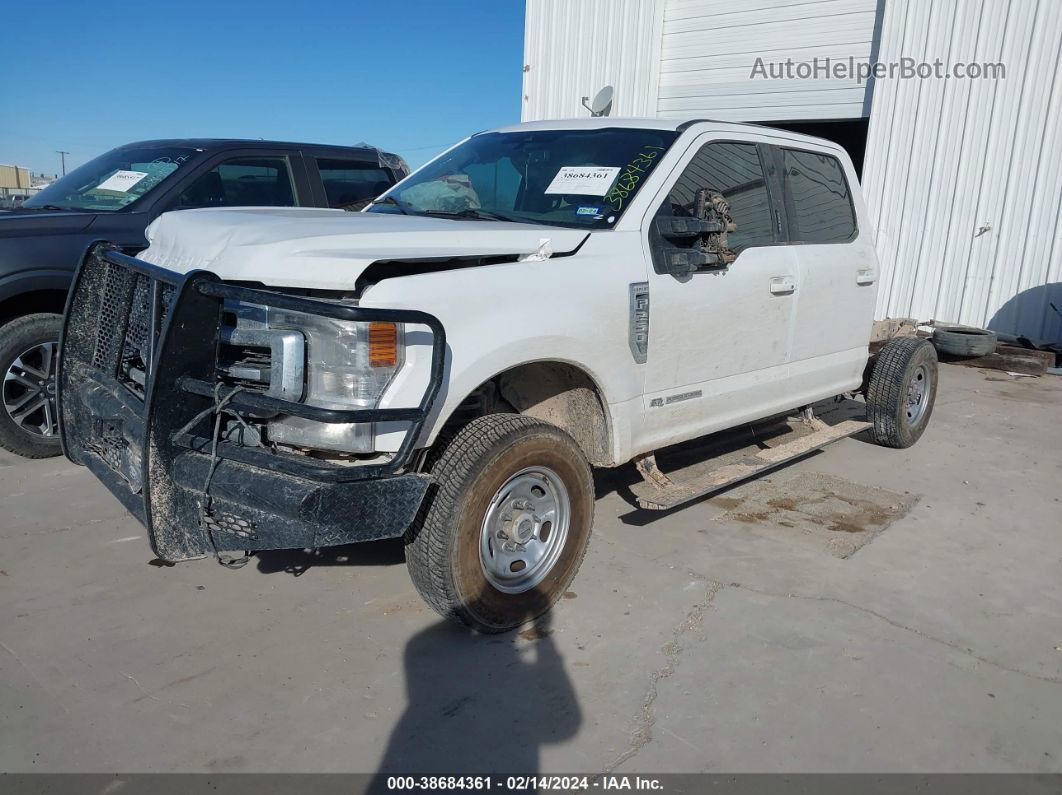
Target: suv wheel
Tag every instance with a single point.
(902, 390)
(504, 527)
(29, 354)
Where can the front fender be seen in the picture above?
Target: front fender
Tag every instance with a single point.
(478, 352)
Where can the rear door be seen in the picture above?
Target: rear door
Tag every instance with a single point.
(837, 272)
(719, 339)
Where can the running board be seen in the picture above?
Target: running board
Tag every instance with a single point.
(659, 493)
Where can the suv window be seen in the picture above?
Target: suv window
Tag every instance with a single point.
(820, 199)
(350, 184)
(735, 171)
(242, 182)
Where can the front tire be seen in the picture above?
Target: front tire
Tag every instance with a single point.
(505, 525)
(902, 391)
(29, 353)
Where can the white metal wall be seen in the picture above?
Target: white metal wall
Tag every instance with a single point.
(690, 58)
(709, 48)
(964, 177)
(572, 48)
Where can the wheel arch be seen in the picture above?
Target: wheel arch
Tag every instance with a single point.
(32, 292)
(556, 391)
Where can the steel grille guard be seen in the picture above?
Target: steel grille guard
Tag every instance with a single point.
(154, 469)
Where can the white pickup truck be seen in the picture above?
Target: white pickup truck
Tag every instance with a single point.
(449, 364)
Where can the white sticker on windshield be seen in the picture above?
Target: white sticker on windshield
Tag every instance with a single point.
(583, 180)
(121, 181)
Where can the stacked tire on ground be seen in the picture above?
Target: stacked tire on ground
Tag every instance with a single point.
(964, 341)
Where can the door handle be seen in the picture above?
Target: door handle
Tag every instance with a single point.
(783, 285)
(866, 276)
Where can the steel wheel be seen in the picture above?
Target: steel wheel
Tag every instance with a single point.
(501, 479)
(901, 391)
(524, 530)
(29, 390)
(918, 389)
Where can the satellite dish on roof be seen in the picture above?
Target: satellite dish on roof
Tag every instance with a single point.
(602, 104)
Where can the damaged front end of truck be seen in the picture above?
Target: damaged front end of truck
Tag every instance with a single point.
(179, 404)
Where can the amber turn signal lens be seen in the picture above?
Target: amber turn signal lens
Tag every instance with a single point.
(383, 345)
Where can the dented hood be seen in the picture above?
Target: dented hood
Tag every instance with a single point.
(328, 249)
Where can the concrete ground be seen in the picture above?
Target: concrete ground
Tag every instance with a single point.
(714, 638)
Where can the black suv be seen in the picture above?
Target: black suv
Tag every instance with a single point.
(115, 197)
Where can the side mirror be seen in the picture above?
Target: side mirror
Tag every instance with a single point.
(675, 227)
(712, 207)
(688, 244)
(686, 261)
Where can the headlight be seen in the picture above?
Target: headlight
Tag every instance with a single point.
(347, 365)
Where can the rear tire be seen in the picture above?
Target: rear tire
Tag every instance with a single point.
(902, 391)
(29, 352)
(505, 524)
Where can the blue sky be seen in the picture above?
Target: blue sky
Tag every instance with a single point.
(411, 76)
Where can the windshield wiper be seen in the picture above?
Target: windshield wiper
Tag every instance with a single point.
(45, 207)
(475, 213)
(480, 213)
(392, 200)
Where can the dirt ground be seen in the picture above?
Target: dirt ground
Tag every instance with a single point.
(862, 610)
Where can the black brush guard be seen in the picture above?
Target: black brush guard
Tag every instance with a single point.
(138, 365)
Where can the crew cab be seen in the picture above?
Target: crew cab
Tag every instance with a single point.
(448, 365)
(113, 198)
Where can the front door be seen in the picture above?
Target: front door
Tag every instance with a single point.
(719, 339)
(243, 178)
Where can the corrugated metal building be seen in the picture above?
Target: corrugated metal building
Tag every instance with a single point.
(963, 176)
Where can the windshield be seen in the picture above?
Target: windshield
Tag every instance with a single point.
(577, 178)
(113, 180)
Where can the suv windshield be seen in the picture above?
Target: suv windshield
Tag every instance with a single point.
(113, 180)
(578, 178)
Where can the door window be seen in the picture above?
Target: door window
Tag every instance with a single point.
(242, 182)
(350, 184)
(820, 199)
(735, 171)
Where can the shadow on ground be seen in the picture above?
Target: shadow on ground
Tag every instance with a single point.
(389, 552)
(480, 704)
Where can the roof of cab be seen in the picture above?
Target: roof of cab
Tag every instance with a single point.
(599, 122)
(678, 125)
(242, 143)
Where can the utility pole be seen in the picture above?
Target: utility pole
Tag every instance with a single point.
(62, 155)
